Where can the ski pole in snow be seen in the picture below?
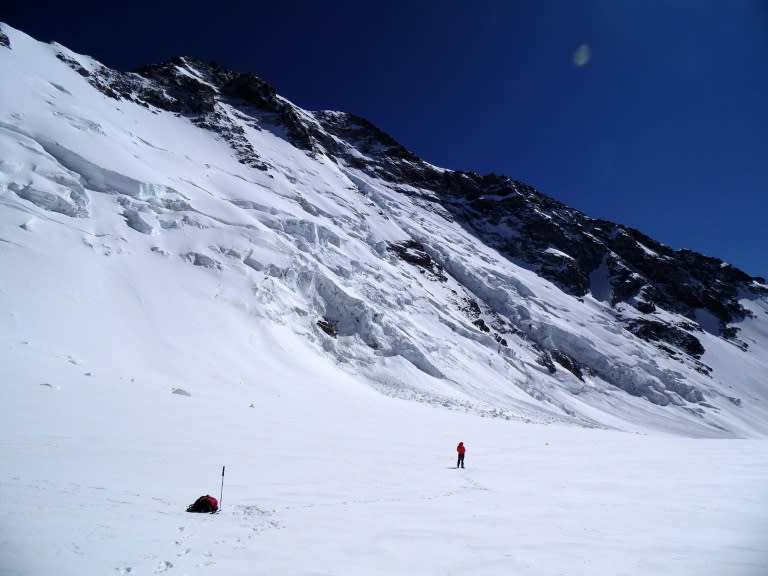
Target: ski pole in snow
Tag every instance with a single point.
(221, 496)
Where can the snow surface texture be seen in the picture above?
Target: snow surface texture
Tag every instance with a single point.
(168, 309)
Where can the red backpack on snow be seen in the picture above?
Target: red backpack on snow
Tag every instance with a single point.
(205, 503)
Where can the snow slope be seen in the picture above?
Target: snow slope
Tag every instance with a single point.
(159, 319)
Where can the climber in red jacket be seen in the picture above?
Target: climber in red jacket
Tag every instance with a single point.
(460, 449)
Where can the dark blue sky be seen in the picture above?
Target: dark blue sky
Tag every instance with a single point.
(664, 129)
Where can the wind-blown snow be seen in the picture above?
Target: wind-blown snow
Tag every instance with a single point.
(166, 309)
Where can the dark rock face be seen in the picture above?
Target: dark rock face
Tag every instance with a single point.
(197, 89)
(414, 253)
(75, 65)
(664, 332)
(359, 134)
(616, 264)
(4, 40)
(325, 325)
(180, 92)
(568, 363)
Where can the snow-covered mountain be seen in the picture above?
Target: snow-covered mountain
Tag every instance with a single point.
(197, 273)
(473, 292)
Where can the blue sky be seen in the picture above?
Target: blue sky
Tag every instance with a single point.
(664, 128)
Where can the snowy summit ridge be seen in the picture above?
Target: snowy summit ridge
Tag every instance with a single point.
(477, 293)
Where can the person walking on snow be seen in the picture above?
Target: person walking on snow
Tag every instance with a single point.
(460, 449)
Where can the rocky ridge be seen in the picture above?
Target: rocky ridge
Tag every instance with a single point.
(533, 230)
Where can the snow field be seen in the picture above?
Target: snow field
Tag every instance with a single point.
(336, 486)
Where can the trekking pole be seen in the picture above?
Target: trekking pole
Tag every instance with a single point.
(221, 496)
